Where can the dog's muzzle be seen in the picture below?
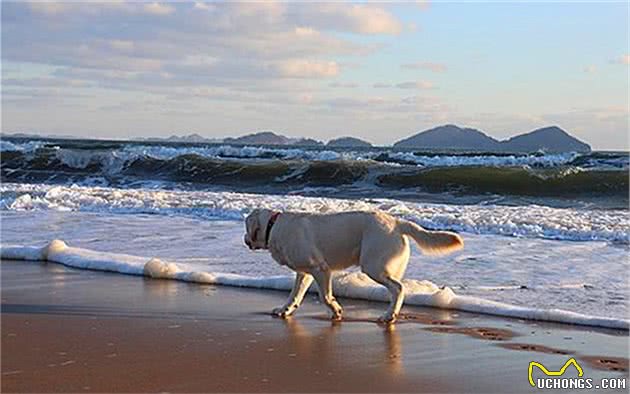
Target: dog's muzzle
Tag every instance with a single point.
(250, 244)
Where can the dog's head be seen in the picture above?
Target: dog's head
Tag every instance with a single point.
(256, 228)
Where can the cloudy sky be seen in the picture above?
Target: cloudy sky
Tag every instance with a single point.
(379, 71)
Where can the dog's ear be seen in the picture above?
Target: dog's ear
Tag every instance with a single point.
(263, 216)
(255, 219)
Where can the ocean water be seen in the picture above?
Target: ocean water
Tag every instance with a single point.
(547, 236)
(595, 180)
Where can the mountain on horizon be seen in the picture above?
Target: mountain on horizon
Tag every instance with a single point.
(550, 139)
(449, 137)
(348, 142)
(270, 138)
(190, 138)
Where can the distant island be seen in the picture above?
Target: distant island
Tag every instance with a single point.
(190, 138)
(35, 136)
(348, 142)
(448, 137)
(270, 138)
(548, 139)
(262, 138)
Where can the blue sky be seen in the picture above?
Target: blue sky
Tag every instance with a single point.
(379, 71)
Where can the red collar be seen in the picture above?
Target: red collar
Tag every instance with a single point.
(270, 223)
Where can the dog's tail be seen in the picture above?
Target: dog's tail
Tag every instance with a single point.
(431, 242)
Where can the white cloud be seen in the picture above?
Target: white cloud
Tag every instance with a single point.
(347, 85)
(298, 68)
(271, 9)
(373, 20)
(246, 41)
(199, 60)
(305, 98)
(357, 18)
(56, 9)
(590, 69)
(623, 59)
(121, 45)
(431, 66)
(49, 7)
(415, 85)
(420, 85)
(200, 5)
(306, 32)
(423, 4)
(158, 9)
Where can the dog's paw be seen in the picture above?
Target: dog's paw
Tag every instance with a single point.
(282, 312)
(337, 313)
(387, 318)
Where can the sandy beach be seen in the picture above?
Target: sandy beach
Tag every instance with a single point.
(67, 330)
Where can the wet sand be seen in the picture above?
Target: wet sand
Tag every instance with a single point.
(67, 330)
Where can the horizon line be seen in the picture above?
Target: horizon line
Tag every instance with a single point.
(54, 135)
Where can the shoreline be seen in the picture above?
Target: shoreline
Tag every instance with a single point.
(350, 285)
(86, 331)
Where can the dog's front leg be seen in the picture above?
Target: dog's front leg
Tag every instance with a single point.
(323, 277)
(300, 287)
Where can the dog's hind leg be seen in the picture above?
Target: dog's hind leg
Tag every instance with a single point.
(303, 281)
(397, 292)
(385, 262)
(323, 277)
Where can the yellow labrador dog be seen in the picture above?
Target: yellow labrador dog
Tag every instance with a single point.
(314, 245)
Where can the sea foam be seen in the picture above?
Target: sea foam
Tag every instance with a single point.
(531, 221)
(345, 284)
(30, 146)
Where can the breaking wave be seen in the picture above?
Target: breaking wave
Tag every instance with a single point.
(533, 221)
(384, 173)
